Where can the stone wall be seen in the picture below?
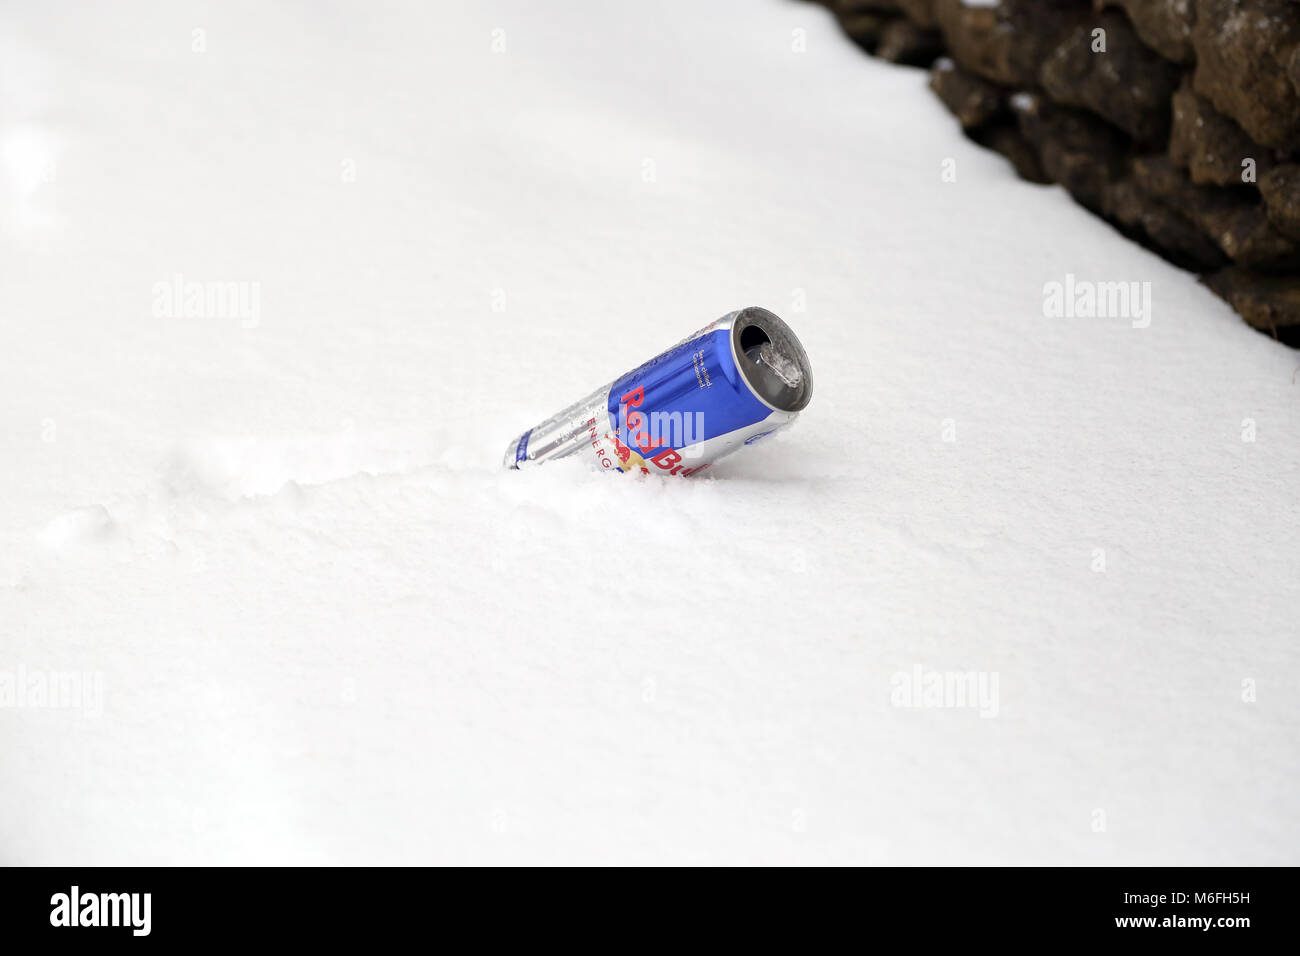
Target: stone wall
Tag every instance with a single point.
(1176, 120)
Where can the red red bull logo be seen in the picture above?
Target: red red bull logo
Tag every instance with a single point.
(644, 441)
(655, 438)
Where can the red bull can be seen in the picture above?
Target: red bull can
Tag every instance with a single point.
(729, 385)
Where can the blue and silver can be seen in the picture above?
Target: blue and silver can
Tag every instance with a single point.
(730, 384)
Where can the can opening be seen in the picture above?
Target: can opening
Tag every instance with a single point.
(752, 338)
(773, 362)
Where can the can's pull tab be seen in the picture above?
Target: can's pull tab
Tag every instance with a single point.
(782, 366)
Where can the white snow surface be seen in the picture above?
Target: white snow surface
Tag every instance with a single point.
(329, 629)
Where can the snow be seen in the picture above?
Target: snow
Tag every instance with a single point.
(269, 520)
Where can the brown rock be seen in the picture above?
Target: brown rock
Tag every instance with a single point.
(1163, 25)
(1126, 83)
(1006, 138)
(975, 40)
(1250, 240)
(865, 29)
(1077, 116)
(1211, 147)
(1231, 217)
(1280, 187)
(1162, 228)
(1266, 302)
(902, 41)
(920, 12)
(1158, 177)
(851, 7)
(972, 100)
(1006, 43)
(1244, 49)
(1076, 149)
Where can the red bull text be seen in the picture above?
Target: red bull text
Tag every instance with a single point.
(730, 384)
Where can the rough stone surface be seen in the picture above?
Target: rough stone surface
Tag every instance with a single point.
(1269, 303)
(1231, 218)
(851, 7)
(1161, 227)
(1164, 25)
(1008, 42)
(920, 12)
(1280, 187)
(1244, 52)
(865, 29)
(974, 101)
(1125, 83)
(1006, 138)
(1151, 134)
(902, 41)
(1211, 147)
(976, 41)
(1076, 149)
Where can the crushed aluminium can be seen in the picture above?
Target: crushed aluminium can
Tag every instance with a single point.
(730, 384)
